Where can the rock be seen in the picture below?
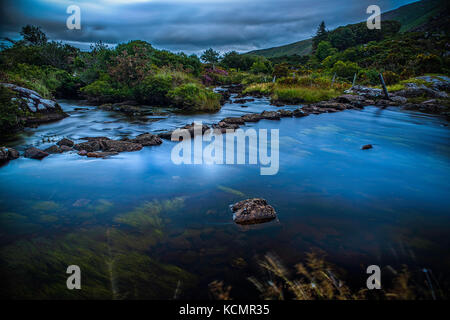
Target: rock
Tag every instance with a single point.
(243, 101)
(441, 83)
(65, 148)
(101, 154)
(36, 109)
(232, 120)
(90, 146)
(285, 113)
(244, 106)
(13, 154)
(165, 135)
(299, 113)
(147, 139)
(191, 128)
(337, 105)
(367, 147)
(277, 103)
(414, 91)
(252, 211)
(35, 153)
(355, 100)
(65, 142)
(53, 149)
(366, 91)
(399, 100)
(251, 117)
(7, 154)
(270, 115)
(83, 153)
(94, 138)
(222, 127)
(118, 146)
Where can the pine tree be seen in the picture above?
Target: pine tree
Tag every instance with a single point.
(321, 35)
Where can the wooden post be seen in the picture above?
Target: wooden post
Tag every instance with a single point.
(274, 79)
(386, 93)
(354, 80)
(332, 81)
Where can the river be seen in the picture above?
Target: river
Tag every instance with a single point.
(140, 226)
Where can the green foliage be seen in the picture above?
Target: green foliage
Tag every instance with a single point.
(33, 35)
(345, 70)
(210, 56)
(9, 111)
(192, 97)
(321, 35)
(294, 95)
(262, 65)
(324, 49)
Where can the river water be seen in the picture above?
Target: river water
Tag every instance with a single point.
(140, 226)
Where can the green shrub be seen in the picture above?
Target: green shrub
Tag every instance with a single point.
(345, 70)
(390, 77)
(192, 97)
(154, 89)
(10, 111)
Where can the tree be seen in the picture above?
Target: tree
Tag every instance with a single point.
(33, 35)
(210, 56)
(324, 49)
(321, 35)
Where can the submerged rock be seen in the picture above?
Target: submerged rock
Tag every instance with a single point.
(101, 154)
(251, 117)
(35, 153)
(367, 147)
(253, 211)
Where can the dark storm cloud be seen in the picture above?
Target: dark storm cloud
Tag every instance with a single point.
(188, 25)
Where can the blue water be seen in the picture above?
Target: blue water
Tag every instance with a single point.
(385, 206)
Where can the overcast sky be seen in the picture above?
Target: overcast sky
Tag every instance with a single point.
(187, 25)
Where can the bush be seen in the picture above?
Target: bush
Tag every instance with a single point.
(345, 70)
(154, 88)
(103, 90)
(390, 77)
(192, 97)
(10, 111)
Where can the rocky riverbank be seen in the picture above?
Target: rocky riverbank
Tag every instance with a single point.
(30, 109)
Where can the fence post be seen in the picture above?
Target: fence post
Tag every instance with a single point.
(332, 81)
(354, 80)
(386, 93)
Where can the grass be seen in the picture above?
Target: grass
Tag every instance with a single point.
(293, 95)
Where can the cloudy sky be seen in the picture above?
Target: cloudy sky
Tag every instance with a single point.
(187, 25)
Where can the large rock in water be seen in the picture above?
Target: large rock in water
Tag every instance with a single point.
(35, 153)
(37, 110)
(7, 154)
(253, 211)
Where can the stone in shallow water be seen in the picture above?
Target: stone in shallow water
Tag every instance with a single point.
(367, 147)
(35, 153)
(253, 211)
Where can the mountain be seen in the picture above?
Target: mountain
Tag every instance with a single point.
(413, 17)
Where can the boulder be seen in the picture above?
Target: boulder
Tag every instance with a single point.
(299, 113)
(223, 127)
(36, 110)
(367, 147)
(252, 211)
(35, 153)
(53, 149)
(251, 117)
(118, 146)
(366, 91)
(65, 142)
(147, 139)
(285, 113)
(7, 154)
(89, 146)
(234, 120)
(270, 115)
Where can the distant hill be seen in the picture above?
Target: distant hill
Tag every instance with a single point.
(412, 16)
(300, 48)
